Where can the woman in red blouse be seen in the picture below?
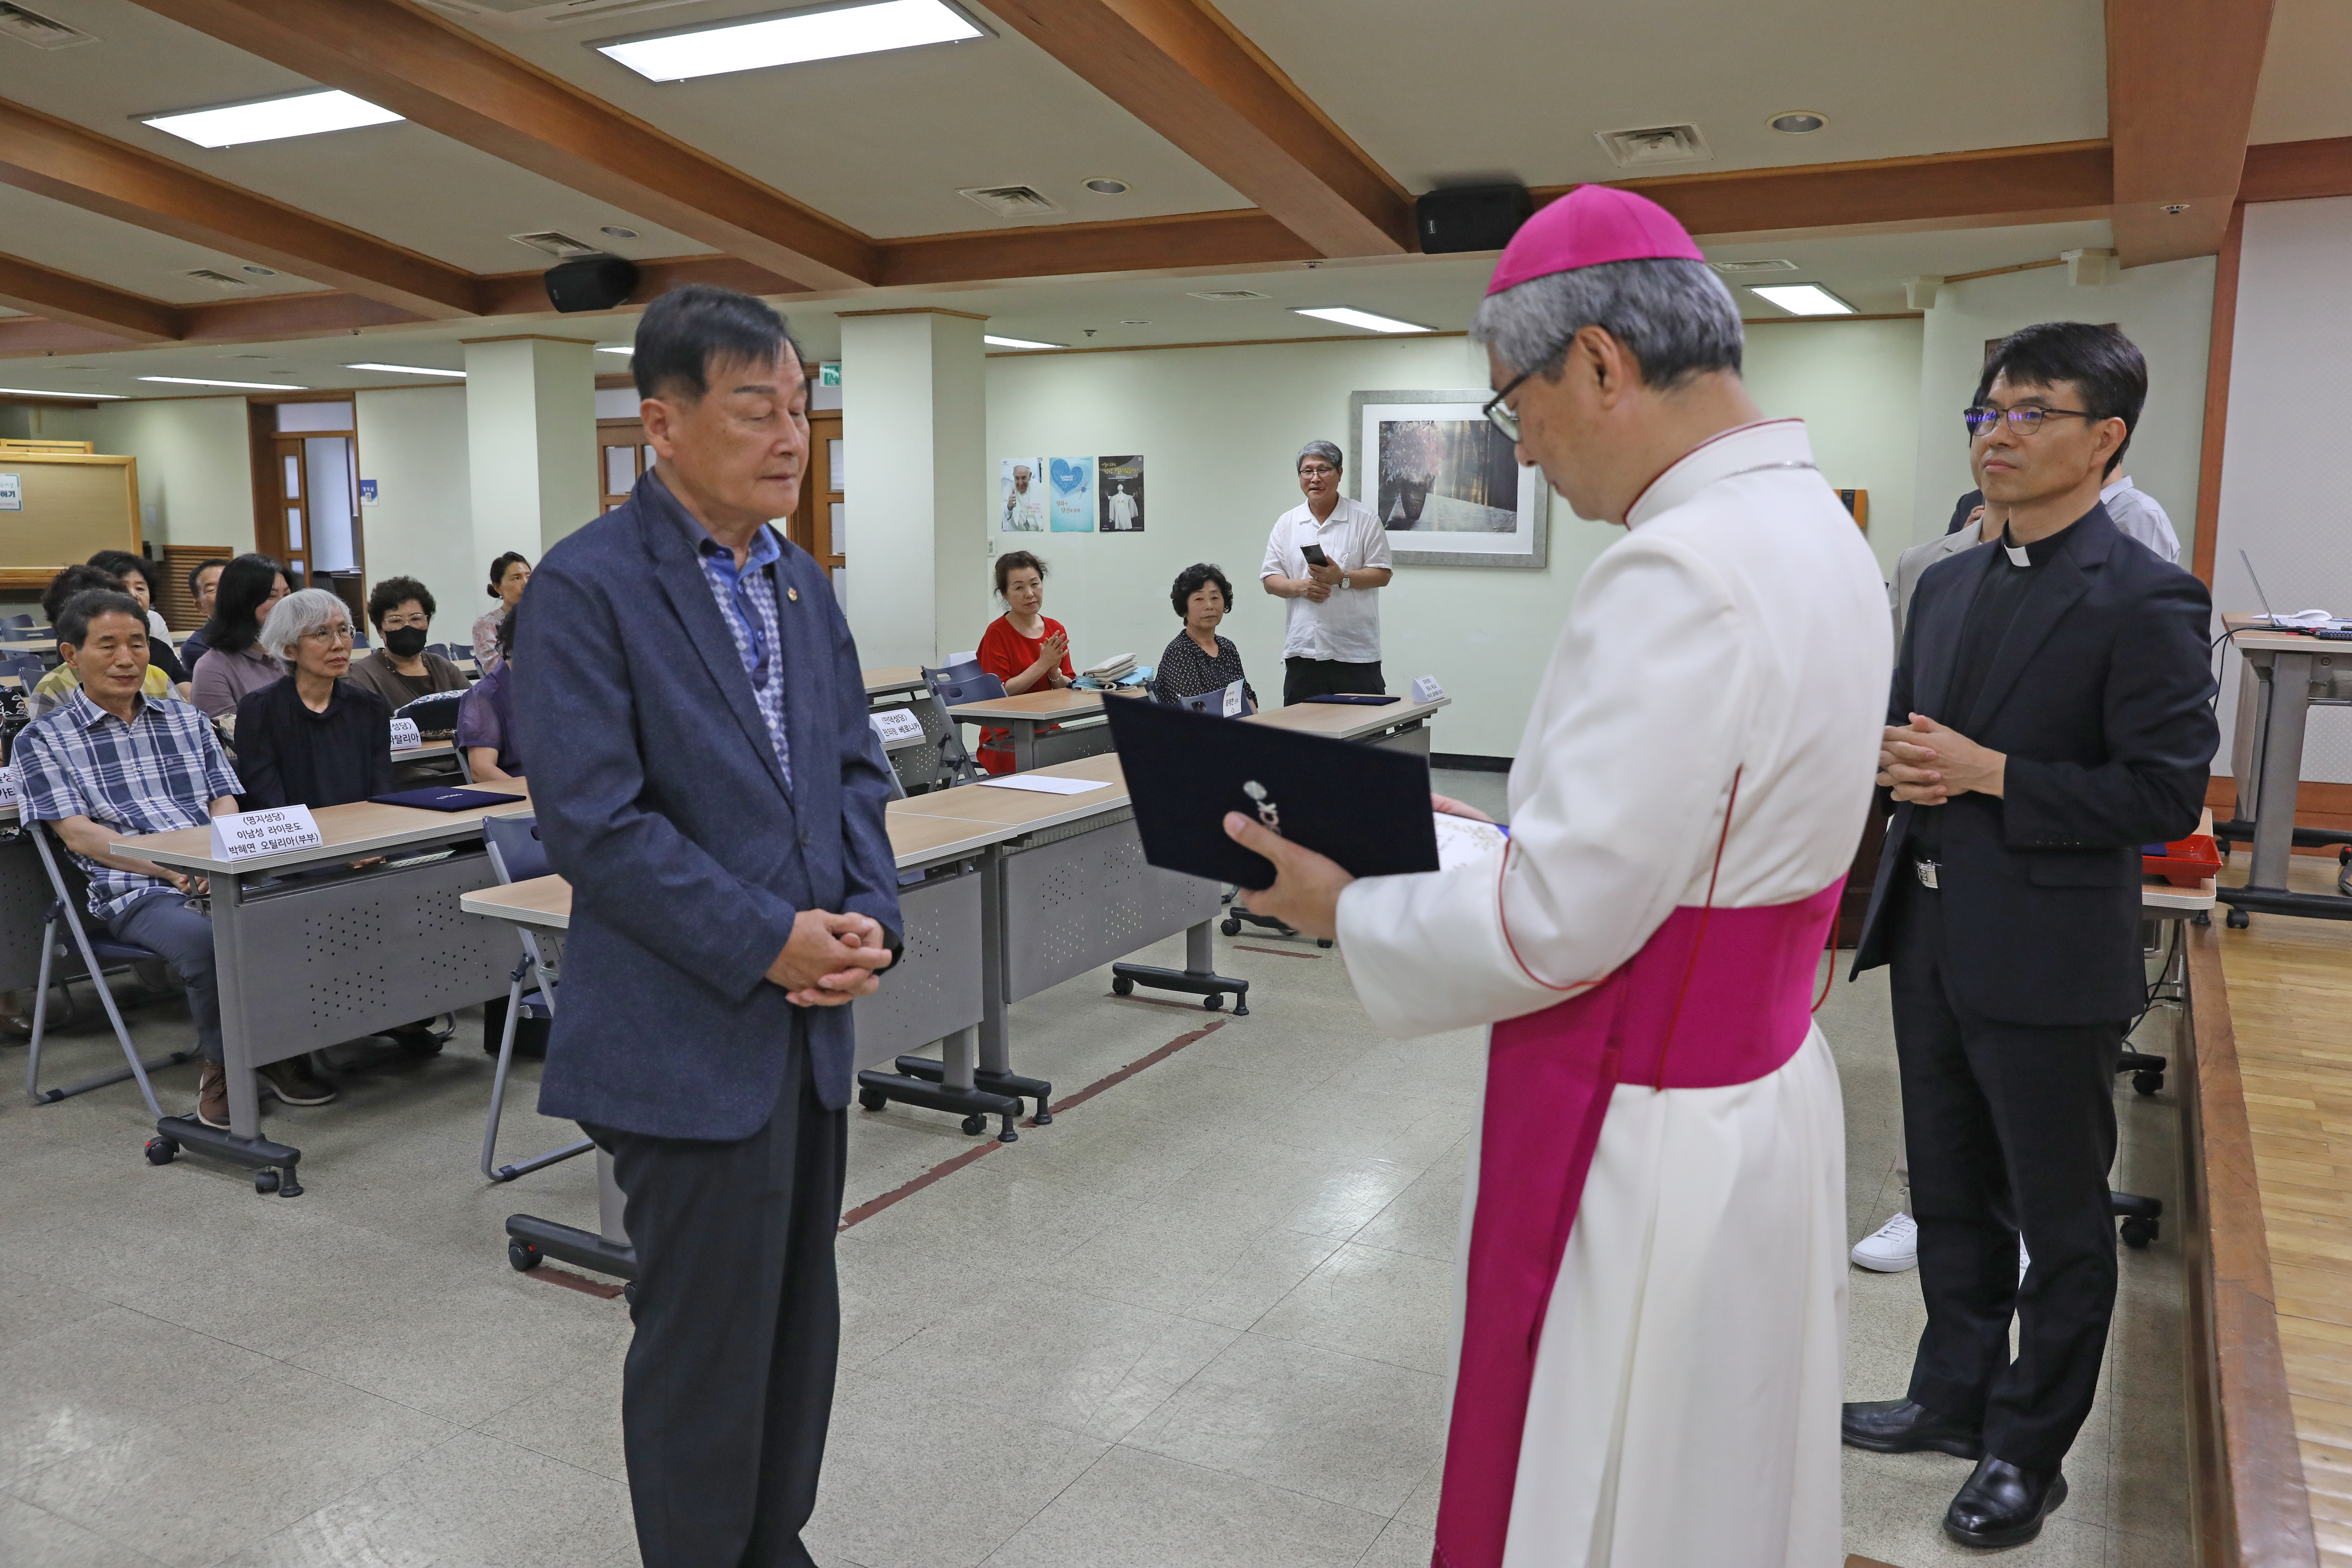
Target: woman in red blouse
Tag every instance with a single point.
(1021, 647)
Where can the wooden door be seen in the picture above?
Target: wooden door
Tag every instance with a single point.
(816, 524)
(622, 458)
(282, 529)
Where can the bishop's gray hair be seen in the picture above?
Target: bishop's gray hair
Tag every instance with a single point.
(1323, 449)
(1673, 316)
(296, 617)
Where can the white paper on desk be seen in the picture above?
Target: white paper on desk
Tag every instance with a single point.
(1460, 840)
(1043, 786)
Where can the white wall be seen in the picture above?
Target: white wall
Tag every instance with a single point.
(1218, 429)
(2281, 500)
(2166, 310)
(412, 443)
(195, 466)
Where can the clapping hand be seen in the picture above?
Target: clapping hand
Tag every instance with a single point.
(1050, 653)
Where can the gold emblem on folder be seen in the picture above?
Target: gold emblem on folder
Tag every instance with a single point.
(1268, 811)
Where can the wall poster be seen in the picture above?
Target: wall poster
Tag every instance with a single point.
(1023, 494)
(1120, 487)
(1071, 493)
(1444, 480)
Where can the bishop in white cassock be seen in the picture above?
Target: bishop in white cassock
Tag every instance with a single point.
(1652, 1321)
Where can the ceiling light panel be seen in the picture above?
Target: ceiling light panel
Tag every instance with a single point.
(1019, 343)
(271, 119)
(792, 38)
(1803, 298)
(1364, 319)
(240, 386)
(406, 369)
(79, 396)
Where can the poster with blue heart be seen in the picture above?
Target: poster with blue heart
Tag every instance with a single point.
(1070, 491)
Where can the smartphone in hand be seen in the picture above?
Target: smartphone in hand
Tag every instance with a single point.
(1315, 556)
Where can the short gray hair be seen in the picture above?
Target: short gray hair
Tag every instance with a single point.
(1323, 449)
(298, 614)
(1673, 316)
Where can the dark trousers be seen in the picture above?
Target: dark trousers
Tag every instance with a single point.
(164, 925)
(2011, 1128)
(728, 1383)
(1306, 677)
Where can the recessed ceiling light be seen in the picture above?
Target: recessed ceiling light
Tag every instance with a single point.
(619, 349)
(1776, 264)
(617, 231)
(245, 386)
(1108, 187)
(84, 396)
(1364, 319)
(304, 114)
(1798, 122)
(405, 369)
(1132, 323)
(1018, 343)
(790, 39)
(1226, 296)
(260, 271)
(1803, 298)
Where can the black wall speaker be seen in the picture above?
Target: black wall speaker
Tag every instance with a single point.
(591, 283)
(1470, 217)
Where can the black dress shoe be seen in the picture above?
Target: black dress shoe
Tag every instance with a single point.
(2002, 1505)
(1899, 1426)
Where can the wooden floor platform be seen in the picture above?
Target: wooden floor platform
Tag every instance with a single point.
(2290, 985)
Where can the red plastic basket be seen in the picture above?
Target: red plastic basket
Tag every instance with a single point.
(2186, 862)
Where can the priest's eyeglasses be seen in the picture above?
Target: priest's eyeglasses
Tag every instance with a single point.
(1501, 417)
(1982, 418)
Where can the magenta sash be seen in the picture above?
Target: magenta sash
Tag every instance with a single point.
(1683, 1013)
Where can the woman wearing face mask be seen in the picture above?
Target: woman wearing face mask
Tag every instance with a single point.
(401, 671)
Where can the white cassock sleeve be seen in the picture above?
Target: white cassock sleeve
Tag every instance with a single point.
(1638, 727)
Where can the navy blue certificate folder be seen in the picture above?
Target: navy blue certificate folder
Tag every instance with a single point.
(1365, 806)
(444, 798)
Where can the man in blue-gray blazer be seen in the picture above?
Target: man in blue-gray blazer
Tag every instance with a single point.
(688, 696)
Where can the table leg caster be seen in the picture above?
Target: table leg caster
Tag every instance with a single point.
(2137, 1233)
(524, 1256)
(162, 1151)
(2240, 920)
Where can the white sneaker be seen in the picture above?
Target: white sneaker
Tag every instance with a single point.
(1892, 1248)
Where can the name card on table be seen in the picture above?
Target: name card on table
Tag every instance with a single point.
(249, 835)
(404, 735)
(1426, 689)
(896, 726)
(1232, 700)
(8, 792)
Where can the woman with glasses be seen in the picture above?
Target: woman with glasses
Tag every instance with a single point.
(401, 671)
(313, 738)
(234, 664)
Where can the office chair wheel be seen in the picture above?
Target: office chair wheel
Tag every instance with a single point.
(264, 1181)
(1214, 1001)
(1120, 985)
(2240, 920)
(162, 1151)
(975, 1123)
(2147, 1082)
(2137, 1233)
(872, 1098)
(1322, 941)
(523, 1256)
(629, 1291)
(1230, 926)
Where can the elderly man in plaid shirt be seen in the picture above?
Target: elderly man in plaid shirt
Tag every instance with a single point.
(108, 762)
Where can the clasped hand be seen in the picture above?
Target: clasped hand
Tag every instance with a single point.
(1927, 764)
(831, 959)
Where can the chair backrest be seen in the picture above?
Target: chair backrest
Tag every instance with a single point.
(26, 667)
(440, 647)
(962, 683)
(516, 852)
(17, 621)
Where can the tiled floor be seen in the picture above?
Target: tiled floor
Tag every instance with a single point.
(1200, 1319)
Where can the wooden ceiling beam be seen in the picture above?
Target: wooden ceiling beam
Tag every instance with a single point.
(78, 302)
(1182, 69)
(2181, 76)
(53, 158)
(431, 71)
(2298, 171)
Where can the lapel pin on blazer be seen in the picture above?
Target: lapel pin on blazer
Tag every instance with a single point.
(793, 593)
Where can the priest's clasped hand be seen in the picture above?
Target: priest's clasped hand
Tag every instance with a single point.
(1307, 886)
(1927, 764)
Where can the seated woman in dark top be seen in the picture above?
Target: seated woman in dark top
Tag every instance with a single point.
(233, 666)
(1199, 661)
(485, 730)
(312, 739)
(401, 671)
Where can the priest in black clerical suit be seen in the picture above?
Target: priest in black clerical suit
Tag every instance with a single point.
(2052, 712)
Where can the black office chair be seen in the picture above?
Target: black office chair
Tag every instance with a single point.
(960, 683)
(517, 855)
(95, 955)
(16, 620)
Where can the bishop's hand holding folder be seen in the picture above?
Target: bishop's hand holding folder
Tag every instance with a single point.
(1220, 798)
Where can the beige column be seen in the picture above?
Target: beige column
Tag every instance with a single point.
(530, 443)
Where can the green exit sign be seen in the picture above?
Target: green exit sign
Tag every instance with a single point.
(828, 373)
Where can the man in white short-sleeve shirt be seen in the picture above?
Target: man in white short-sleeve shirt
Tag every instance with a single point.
(1332, 643)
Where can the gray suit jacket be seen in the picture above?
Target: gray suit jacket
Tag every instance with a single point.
(1918, 559)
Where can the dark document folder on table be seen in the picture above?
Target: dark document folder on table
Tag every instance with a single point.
(1365, 806)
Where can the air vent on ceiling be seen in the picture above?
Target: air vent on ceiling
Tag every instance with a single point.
(561, 246)
(1741, 268)
(41, 32)
(1228, 296)
(1651, 144)
(1012, 201)
(222, 281)
(538, 15)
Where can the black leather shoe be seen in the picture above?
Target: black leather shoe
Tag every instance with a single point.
(1899, 1426)
(2002, 1505)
